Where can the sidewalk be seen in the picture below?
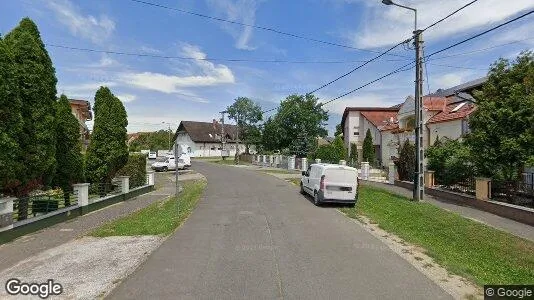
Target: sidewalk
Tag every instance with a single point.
(519, 229)
(35, 243)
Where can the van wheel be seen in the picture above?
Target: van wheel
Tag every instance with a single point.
(302, 189)
(316, 199)
(164, 169)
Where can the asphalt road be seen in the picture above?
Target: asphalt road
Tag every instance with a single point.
(253, 236)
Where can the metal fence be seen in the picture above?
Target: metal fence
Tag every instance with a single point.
(100, 190)
(515, 192)
(465, 186)
(44, 203)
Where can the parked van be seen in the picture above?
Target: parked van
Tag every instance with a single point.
(330, 183)
(168, 164)
(152, 155)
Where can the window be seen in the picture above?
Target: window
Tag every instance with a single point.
(188, 149)
(356, 133)
(212, 148)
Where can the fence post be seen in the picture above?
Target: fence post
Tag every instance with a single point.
(483, 188)
(6, 213)
(81, 190)
(429, 179)
(365, 170)
(271, 160)
(150, 178)
(343, 162)
(291, 162)
(317, 160)
(304, 166)
(391, 175)
(125, 183)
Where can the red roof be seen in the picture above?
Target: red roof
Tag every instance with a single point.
(389, 126)
(379, 118)
(463, 110)
(434, 103)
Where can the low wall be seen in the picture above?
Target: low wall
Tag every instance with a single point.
(513, 212)
(64, 214)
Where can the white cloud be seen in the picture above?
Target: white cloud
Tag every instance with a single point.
(125, 98)
(363, 100)
(211, 74)
(386, 25)
(83, 90)
(104, 62)
(96, 29)
(448, 80)
(149, 50)
(243, 11)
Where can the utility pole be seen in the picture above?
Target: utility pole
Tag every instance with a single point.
(418, 183)
(237, 141)
(176, 155)
(223, 138)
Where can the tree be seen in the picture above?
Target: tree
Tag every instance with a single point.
(11, 124)
(35, 81)
(368, 153)
(339, 130)
(406, 161)
(156, 140)
(270, 139)
(451, 161)
(502, 131)
(107, 152)
(331, 153)
(246, 114)
(68, 149)
(297, 113)
(353, 158)
(303, 144)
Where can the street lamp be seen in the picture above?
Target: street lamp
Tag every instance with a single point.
(418, 183)
(169, 133)
(389, 2)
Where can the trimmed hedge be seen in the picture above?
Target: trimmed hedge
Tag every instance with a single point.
(136, 169)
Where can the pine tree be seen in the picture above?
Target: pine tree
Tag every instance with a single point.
(68, 148)
(353, 158)
(107, 152)
(368, 154)
(10, 123)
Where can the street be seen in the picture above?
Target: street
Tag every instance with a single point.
(253, 236)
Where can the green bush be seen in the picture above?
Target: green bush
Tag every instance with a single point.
(136, 169)
(331, 153)
(406, 161)
(451, 161)
(368, 153)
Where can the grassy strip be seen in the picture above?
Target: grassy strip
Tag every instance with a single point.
(160, 218)
(465, 247)
(295, 181)
(280, 171)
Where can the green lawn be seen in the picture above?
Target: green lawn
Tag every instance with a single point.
(160, 218)
(465, 247)
(295, 181)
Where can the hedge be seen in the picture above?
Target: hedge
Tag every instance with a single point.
(136, 169)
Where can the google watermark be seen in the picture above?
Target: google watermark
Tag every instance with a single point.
(509, 292)
(44, 290)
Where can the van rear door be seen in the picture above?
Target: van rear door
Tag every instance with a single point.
(340, 183)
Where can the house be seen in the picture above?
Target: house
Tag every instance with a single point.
(445, 114)
(81, 109)
(204, 139)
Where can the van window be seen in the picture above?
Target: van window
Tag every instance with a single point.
(340, 175)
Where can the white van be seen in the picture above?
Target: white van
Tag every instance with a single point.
(168, 164)
(330, 183)
(152, 155)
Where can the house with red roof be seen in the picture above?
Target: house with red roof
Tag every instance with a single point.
(445, 114)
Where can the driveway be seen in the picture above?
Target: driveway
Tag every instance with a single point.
(253, 236)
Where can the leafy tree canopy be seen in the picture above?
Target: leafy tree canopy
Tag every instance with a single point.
(248, 113)
(368, 153)
(157, 140)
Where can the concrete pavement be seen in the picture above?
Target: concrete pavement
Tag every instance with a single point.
(253, 236)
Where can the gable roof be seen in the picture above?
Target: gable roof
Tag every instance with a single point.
(205, 132)
(379, 118)
(434, 103)
(393, 109)
(464, 87)
(83, 106)
(463, 109)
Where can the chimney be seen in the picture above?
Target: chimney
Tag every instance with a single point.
(215, 123)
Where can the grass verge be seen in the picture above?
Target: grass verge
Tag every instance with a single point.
(464, 247)
(295, 181)
(160, 218)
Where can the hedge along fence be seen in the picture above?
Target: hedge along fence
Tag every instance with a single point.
(135, 169)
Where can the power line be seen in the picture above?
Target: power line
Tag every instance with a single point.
(449, 15)
(481, 50)
(482, 33)
(293, 35)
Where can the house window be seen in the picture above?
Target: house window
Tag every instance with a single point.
(356, 133)
(212, 148)
(188, 149)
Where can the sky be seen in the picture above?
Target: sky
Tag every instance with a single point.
(160, 92)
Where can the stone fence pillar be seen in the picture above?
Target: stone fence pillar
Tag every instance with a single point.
(291, 162)
(365, 170)
(125, 183)
(150, 178)
(483, 188)
(343, 162)
(429, 179)
(6, 213)
(392, 173)
(317, 160)
(271, 160)
(82, 193)
(304, 164)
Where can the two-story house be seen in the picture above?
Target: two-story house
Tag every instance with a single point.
(81, 109)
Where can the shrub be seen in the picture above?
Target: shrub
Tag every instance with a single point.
(406, 161)
(136, 169)
(451, 161)
(331, 153)
(368, 153)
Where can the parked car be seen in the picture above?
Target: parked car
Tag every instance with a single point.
(168, 164)
(330, 183)
(152, 155)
